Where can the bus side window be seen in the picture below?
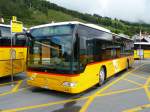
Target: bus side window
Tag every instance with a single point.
(99, 50)
(90, 50)
(83, 37)
(5, 39)
(83, 51)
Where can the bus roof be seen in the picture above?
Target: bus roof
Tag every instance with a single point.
(72, 22)
(123, 36)
(4, 25)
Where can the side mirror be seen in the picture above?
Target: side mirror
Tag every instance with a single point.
(0, 33)
(29, 36)
(77, 35)
(17, 34)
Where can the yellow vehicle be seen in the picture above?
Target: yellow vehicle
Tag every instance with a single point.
(72, 56)
(141, 49)
(18, 51)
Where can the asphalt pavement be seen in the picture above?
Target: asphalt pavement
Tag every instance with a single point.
(129, 91)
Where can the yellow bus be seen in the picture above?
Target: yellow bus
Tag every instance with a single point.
(72, 56)
(18, 49)
(143, 49)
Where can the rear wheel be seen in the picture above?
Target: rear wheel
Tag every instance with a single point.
(102, 76)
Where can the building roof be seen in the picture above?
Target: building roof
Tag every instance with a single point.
(123, 36)
(143, 38)
(142, 43)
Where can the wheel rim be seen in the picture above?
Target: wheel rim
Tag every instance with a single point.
(102, 76)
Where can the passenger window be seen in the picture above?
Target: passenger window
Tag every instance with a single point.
(5, 38)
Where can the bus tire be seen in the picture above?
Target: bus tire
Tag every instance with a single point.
(102, 76)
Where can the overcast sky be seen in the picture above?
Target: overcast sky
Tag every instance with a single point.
(131, 10)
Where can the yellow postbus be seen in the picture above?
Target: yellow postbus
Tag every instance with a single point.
(72, 56)
(141, 49)
(18, 51)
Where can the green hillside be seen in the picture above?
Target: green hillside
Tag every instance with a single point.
(35, 12)
(52, 16)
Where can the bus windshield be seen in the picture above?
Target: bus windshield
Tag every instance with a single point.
(52, 30)
(51, 49)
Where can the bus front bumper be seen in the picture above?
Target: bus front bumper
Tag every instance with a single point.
(52, 84)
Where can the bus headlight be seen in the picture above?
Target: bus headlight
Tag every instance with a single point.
(69, 84)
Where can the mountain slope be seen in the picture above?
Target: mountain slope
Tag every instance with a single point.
(35, 12)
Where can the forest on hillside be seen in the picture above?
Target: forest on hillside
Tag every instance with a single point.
(35, 12)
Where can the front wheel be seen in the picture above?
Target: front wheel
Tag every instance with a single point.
(102, 76)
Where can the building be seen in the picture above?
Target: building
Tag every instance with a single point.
(141, 46)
